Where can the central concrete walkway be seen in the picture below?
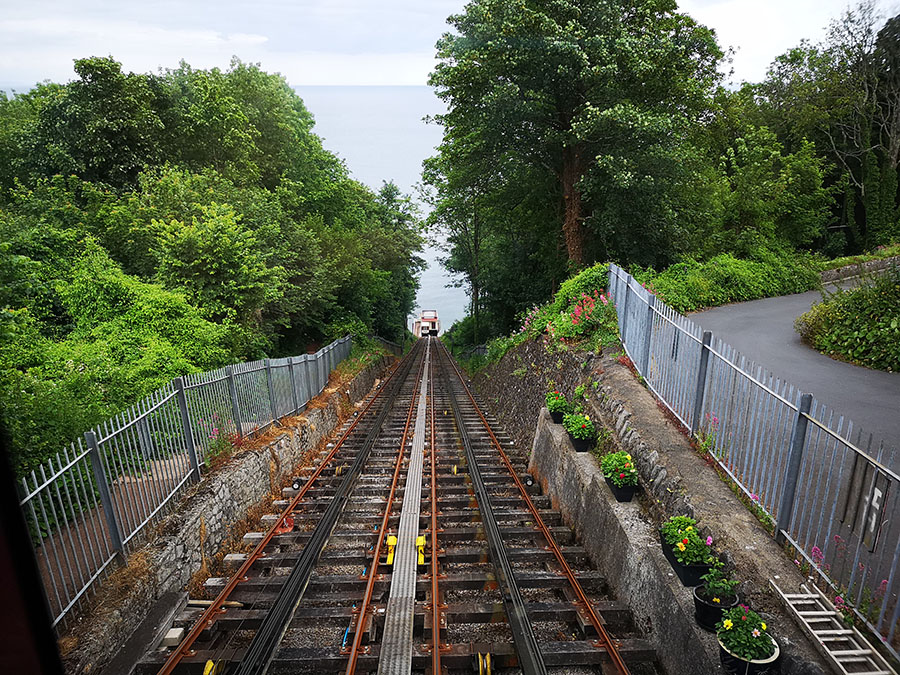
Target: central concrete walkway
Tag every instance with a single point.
(763, 330)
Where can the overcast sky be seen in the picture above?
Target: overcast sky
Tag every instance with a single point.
(321, 42)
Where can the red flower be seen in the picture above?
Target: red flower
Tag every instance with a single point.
(583, 425)
(684, 541)
(621, 475)
(744, 618)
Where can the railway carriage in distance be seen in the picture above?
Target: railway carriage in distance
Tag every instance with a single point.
(427, 324)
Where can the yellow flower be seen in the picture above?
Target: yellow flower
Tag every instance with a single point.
(728, 624)
(689, 528)
(680, 546)
(716, 600)
(628, 456)
(763, 624)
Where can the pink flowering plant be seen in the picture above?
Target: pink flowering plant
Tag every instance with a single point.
(579, 426)
(689, 548)
(619, 469)
(743, 633)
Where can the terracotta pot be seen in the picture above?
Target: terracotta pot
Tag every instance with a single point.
(688, 574)
(580, 444)
(557, 417)
(622, 494)
(708, 614)
(735, 665)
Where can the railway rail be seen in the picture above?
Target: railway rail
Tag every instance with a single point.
(416, 544)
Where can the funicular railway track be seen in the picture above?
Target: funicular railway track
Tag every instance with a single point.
(475, 572)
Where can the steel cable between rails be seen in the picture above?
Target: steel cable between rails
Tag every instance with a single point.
(217, 608)
(436, 606)
(364, 608)
(606, 641)
(531, 659)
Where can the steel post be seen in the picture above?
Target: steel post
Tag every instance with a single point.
(115, 535)
(623, 325)
(700, 391)
(645, 357)
(792, 475)
(235, 407)
(294, 397)
(271, 390)
(186, 425)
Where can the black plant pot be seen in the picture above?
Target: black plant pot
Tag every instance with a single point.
(581, 444)
(707, 613)
(688, 574)
(622, 494)
(557, 417)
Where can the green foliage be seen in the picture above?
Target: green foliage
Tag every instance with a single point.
(878, 253)
(860, 325)
(743, 632)
(690, 285)
(557, 402)
(579, 426)
(619, 468)
(156, 225)
(680, 533)
(717, 587)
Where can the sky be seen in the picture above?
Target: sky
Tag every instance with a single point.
(326, 42)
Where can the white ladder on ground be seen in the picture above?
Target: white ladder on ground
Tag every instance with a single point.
(844, 646)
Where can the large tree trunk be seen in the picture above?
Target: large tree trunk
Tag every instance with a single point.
(573, 232)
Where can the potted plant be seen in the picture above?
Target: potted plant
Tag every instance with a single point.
(558, 405)
(581, 431)
(620, 475)
(712, 597)
(745, 648)
(690, 556)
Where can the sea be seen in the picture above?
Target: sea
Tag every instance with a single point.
(381, 134)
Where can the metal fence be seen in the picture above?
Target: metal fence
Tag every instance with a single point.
(92, 503)
(832, 493)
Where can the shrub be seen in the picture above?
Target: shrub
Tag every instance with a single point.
(860, 325)
(743, 632)
(579, 426)
(619, 469)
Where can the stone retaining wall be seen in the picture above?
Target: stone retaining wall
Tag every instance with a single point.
(851, 271)
(189, 538)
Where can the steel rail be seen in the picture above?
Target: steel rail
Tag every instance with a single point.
(269, 635)
(365, 607)
(527, 648)
(436, 606)
(605, 639)
(217, 608)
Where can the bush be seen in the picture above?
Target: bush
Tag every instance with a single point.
(680, 533)
(557, 402)
(860, 325)
(690, 285)
(743, 632)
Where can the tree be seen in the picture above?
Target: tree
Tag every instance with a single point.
(575, 88)
(101, 127)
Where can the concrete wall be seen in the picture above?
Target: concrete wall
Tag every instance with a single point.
(190, 537)
(625, 547)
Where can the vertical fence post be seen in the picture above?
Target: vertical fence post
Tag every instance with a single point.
(186, 424)
(623, 325)
(645, 357)
(115, 535)
(308, 378)
(792, 474)
(294, 397)
(700, 391)
(271, 390)
(235, 408)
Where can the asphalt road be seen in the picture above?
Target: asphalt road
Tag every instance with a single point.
(763, 330)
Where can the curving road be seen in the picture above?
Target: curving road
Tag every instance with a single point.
(763, 330)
